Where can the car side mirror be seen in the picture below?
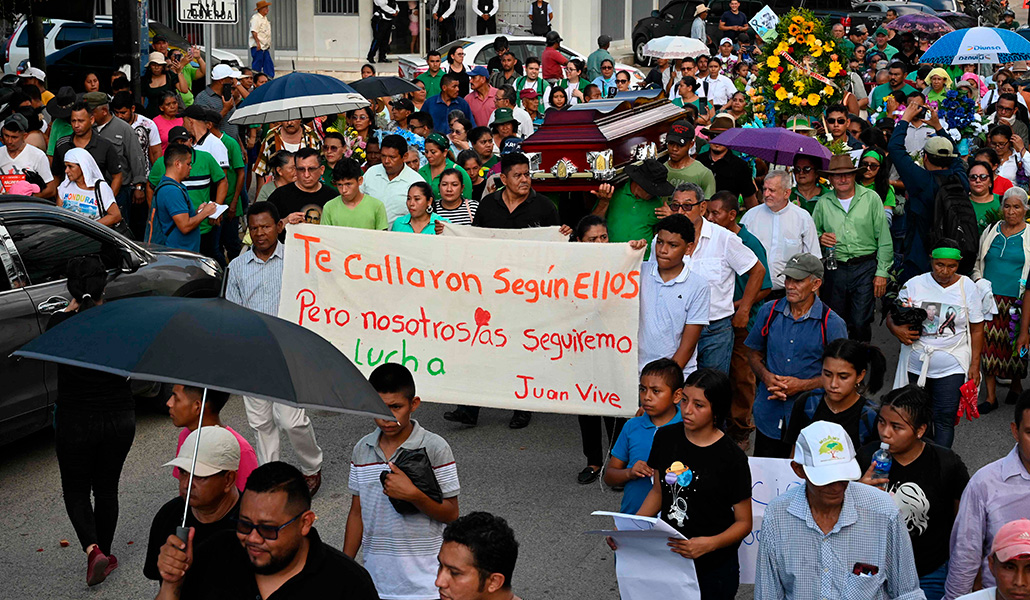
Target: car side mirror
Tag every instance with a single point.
(130, 262)
(654, 14)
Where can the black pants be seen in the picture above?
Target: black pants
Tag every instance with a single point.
(91, 449)
(474, 411)
(381, 29)
(447, 32)
(590, 430)
(487, 26)
(848, 290)
(719, 582)
(210, 244)
(770, 448)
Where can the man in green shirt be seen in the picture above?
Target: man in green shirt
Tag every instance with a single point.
(205, 183)
(230, 233)
(852, 225)
(882, 37)
(431, 78)
(60, 109)
(682, 167)
(632, 211)
(895, 81)
(597, 56)
(353, 208)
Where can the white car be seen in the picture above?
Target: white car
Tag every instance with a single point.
(59, 33)
(479, 49)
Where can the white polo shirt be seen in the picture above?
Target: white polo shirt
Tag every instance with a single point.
(720, 256)
(665, 308)
(783, 234)
(393, 193)
(215, 147)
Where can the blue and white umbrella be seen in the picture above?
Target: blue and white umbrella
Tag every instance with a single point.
(297, 96)
(977, 45)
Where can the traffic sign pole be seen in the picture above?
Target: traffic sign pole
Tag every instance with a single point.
(209, 44)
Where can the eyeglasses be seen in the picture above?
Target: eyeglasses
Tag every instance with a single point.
(268, 532)
(682, 206)
(998, 145)
(838, 121)
(1007, 109)
(871, 165)
(804, 169)
(361, 117)
(308, 169)
(979, 177)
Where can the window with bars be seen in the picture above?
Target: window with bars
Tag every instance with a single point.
(336, 7)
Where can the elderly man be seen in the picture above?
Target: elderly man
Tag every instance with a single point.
(261, 39)
(882, 37)
(632, 210)
(215, 499)
(223, 77)
(784, 229)
(697, 28)
(853, 228)
(134, 162)
(389, 181)
(439, 107)
(1009, 563)
(482, 98)
(506, 98)
(786, 346)
(833, 537)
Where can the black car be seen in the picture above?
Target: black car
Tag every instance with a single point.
(69, 65)
(36, 241)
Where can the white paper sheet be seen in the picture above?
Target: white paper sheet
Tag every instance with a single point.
(219, 209)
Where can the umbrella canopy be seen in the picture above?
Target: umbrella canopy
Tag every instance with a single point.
(920, 23)
(297, 96)
(957, 20)
(978, 45)
(210, 343)
(675, 46)
(774, 145)
(380, 87)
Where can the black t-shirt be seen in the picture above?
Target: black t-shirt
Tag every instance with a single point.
(731, 20)
(536, 211)
(715, 478)
(464, 80)
(290, 199)
(925, 491)
(87, 390)
(222, 571)
(168, 518)
(102, 151)
(731, 173)
(858, 420)
(494, 64)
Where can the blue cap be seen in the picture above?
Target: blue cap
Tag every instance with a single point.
(510, 145)
(480, 70)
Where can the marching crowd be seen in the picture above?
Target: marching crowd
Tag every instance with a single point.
(759, 295)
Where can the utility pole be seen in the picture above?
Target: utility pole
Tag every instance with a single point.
(37, 57)
(125, 18)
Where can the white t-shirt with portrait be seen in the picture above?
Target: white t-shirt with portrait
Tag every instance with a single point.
(946, 320)
(76, 199)
(30, 158)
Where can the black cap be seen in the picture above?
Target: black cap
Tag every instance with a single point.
(681, 132)
(178, 133)
(200, 113)
(403, 104)
(158, 39)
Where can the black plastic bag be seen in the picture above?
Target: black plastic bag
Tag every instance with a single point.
(415, 464)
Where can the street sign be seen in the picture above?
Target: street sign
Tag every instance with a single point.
(220, 12)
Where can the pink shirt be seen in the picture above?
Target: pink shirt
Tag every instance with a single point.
(248, 459)
(482, 108)
(164, 125)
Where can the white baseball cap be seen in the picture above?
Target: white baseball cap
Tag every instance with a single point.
(221, 71)
(826, 453)
(725, 40)
(33, 72)
(219, 451)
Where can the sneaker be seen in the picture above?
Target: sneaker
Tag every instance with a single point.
(96, 567)
(112, 565)
(986, 407)
(314, 482)
(520, 419)
(460, 415)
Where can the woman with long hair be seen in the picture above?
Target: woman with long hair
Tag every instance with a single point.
(456, 66)
(84, 190)
(160, 77)
(876, 177)
(558, 99)
(94, 423)
(420, 217)
(981, 192)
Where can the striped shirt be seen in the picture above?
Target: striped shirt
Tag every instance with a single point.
(797, 561)
(462, 215)
(255, 283)
(400, 550)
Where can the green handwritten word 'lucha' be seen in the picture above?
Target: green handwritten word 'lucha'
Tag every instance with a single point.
(434, 366)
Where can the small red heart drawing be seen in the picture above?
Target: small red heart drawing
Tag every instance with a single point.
(482, 317)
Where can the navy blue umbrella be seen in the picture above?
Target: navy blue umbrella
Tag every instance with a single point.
(297, 96)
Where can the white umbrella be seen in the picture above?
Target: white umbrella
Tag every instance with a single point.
(675, 46)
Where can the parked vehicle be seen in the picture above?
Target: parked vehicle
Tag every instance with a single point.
(479, 50)
(59, 34)
(36, 241)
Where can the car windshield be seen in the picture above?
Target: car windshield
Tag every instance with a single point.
(444, 50)
(908, 10)
(936, 4)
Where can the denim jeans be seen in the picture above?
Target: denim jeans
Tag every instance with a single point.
(715, 346)
(932, 584)
(848, 290)
(210, 244)
(91, 449)
(944, 391)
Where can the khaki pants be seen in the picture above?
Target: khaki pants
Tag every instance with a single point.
(743, 381)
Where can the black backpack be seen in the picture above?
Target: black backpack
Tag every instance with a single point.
(954, 218)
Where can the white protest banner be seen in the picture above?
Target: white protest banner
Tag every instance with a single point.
(499, 323)
(770, 477)
(535, 234)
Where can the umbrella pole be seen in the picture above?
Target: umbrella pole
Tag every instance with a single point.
(182, 532)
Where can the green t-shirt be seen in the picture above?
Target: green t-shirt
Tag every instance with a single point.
(188, 71)
(434, 182)
(235, 162)
(630, 218)
(882, 91)
(204, 176)
(889, 202)
(889, 51)
(809, 205)
(693, 173)
(982, 208)
(432, 83)
(370, 213)
(58, 129)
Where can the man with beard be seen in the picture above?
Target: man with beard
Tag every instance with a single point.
(275, 550)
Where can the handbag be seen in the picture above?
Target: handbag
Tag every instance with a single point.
(122, 226)
(415, 464)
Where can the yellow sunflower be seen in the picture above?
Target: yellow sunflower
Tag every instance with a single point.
(808, 27)
(799, 85)
(794, 30)
(798, 19)
(800, 39)
(827, 91)
(817, 51)
(781, 94)
(835, 69)
(772, 62)
(781, 48)
(774, 77)
(813, 99)
(810, 39)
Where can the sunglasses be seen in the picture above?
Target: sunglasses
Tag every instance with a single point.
(978, 177)
(622, 81)
(267, 532)
(869, 164)
(838, 121)
(684, 207)
(804, 169)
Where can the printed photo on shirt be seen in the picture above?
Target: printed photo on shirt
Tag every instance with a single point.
(312, 214)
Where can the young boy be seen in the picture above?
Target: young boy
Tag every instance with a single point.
(674, 300)
(660, 394)
(184, 408)
(353, 208)
(400, 550)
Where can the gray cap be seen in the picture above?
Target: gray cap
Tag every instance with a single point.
(604, 40)
(16, 122)
(801, 265)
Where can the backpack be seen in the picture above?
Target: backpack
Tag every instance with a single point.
(954, 217)
(823, 318)
(152, 220)
(867, 431)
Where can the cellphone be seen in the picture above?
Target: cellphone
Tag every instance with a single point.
(864, 569)
(226, 93)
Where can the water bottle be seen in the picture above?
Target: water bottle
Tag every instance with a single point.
(831, 258)
(882, 461)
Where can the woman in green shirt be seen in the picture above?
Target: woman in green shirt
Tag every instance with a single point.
(940, 83)
(438, 153)
(981, 186)
(686, 88)
(419, 219)
(877, 178)
(574, 82)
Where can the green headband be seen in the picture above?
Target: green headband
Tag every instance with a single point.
(439, 140)
(873, 153)
(950, 253)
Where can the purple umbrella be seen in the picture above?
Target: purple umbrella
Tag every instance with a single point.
(920, 23)
(774, 145)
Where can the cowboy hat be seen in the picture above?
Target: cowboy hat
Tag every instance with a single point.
(60, 106)
(262, 4)
(841, 165)
(720, 123)
(700, 10)
(652, 176)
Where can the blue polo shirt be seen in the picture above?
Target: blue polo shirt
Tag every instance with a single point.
(634, 444)
(439, 110)
(797, 352)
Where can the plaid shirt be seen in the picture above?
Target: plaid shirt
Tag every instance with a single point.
(797, 561)
(273, 143)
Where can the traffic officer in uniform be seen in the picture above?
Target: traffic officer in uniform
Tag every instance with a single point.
(383, 12)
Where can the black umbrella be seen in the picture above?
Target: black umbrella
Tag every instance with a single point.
(210, 343)
(380, 87)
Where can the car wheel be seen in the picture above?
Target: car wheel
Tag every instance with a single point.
(638, 52)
